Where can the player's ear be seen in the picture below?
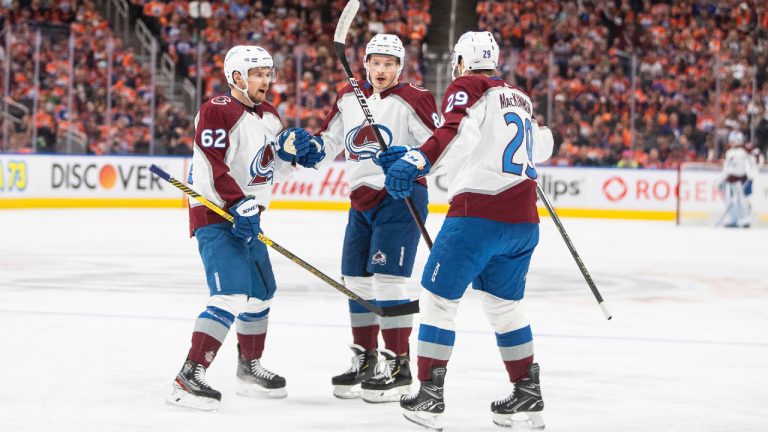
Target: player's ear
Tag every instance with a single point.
(235, 76)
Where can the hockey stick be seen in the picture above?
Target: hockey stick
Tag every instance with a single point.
(387, 311)
(345, 21)
(569, 243)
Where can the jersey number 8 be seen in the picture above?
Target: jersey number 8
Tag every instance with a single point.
(524, 132)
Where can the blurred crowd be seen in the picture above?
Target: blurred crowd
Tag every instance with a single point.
(123, 128)
(700, 69)
(298, 34)
(580, 53)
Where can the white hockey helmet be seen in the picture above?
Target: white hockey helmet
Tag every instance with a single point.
(478, 50)
(242, 58)
(386, 44)
(736, 138)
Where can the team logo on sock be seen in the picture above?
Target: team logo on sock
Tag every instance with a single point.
(379, 258)
(209, 356)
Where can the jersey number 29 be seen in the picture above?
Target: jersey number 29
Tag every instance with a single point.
(524, 133)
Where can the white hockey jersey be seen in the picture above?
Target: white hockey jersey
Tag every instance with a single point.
(404, 114)
(739, 165)
(486, 148)
(234, 156)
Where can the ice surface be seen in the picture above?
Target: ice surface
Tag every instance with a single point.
(97, 309)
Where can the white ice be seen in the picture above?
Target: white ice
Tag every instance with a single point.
(97, 309)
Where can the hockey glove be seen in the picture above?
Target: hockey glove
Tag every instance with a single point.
(292, 143)
(385, 158)
(748, 187)
(246, 213)
(315, 154)
(402, 173)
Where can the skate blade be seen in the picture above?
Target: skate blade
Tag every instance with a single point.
(383, 396)
(428, 420)
(520, 421)
(257, 391)
(181, 398)
(347, 392)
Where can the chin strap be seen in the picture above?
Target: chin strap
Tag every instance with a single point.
(245, 92)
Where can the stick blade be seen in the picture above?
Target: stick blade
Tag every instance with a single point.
(409, 308)
(345, 21)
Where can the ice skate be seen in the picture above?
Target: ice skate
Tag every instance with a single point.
(522, 409)
(190, 390)
(347, 385)
(256, 381)
(392, 379)
(425, 407)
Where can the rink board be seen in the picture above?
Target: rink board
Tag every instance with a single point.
(59, 181)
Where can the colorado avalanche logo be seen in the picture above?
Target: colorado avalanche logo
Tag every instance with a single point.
(262, 165)
(361, 143)
(221, 100)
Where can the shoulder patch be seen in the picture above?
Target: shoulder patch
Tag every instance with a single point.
(221, 100)
(419, 88)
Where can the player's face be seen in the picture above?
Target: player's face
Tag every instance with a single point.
(383, 70)
(258, 83)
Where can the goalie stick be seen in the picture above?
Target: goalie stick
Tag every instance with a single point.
(385, 311)
(342, 28)
(569, 243)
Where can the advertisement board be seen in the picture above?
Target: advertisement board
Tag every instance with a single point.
(28, 181)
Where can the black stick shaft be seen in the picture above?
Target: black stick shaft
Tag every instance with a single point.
(397, 310)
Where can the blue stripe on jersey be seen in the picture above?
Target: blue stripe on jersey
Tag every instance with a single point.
(428, 333)
(253, 316)
(356, 308)
(515, 337)
(219, 315)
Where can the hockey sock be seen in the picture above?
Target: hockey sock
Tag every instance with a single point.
(252, 332)
(390, 291)
(211, 328)
(365, 326)
(516, 349)
(395, 331)
(434, 349)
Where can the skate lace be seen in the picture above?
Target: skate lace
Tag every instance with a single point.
(258, 370)
(357, 363)
(384, 369)
(200, 376)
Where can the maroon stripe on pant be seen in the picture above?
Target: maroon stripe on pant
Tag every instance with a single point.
(367, 337)
(396, 339)
(518, 369)
(204, 348)
(251, 346)
(426, 364)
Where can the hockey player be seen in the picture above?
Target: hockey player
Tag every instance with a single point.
(381, 237)
(234, 166)
(488, 147)
(739, 169)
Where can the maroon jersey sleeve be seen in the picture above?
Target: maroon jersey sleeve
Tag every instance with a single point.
(462, 94)
(423, 104)
(213, 140)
